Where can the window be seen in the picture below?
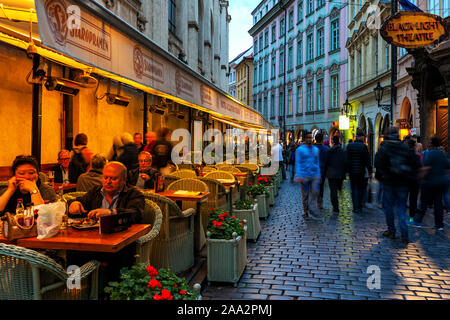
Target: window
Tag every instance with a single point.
(334, 92)
(281, 63)
(320, 3)
(320, 42)
(172, 16)
(334, 43)
(266, 38)
(300, 11)
(282, 27)
(309, 47)
(309, 97)
(273, 67)
(255, 45)
(255, 74)
(266, 69)
(261, 43)
(290, 49)
(433, 7)
(310, 7)
(265, 107)
(320, 95)
(272, 105)
(352, 71)
(299, 99)
(359, 67)
(289, 102)
(375, 55)
(259, 104)
(291, 19)
(274, 32)
(388, 56)
(261, 70)
(281, 104)
(299, 53)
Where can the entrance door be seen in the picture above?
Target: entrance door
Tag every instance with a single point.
(442, 123)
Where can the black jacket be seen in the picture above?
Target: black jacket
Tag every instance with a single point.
(77, 166)
(162, 153)
(358, 159)
(334, 163)
(389, 150)
(131, 202)
(133, 175)
(438, 163)
(58, 173)
(129, 156)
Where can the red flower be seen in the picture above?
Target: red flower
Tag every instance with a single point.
(165, 294)
(183, 292)
(154, 283)
(221, 217)
(152, 272)
(156, 297)
(217, 224)
(226, 214)
(175, 285)
(249, 183)
(242, 221)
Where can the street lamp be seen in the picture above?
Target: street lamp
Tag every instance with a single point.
(348, 110)
(378, 91)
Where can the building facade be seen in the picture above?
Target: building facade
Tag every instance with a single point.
(300, 64)
(246, 55)
(369, 62)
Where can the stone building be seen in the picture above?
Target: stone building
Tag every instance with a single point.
(241, 77)
(300, 64)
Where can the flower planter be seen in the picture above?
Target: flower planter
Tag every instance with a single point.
(263, 211)
(226, 259)
(268, 203)
(271, 190)
(252, 217)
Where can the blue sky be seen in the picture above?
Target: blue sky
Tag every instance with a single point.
(241, 22)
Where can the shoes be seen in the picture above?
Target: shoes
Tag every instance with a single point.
(440, 229)
(388, 234)
(313, 217)
(414, 224)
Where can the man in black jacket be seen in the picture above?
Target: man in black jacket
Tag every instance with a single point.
(398, 167)
(334, 170)
(61, 170)
(358, 160)
(113, 197)
(144, 177)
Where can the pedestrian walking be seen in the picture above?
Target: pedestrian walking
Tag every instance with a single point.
(322, 151)
(334, 171)
(414, 186)
(434, 183)
(292, 160)
(307, 172)
(398, 166)
(358, 160)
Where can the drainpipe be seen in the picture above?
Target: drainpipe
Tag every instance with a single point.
(393, 68)
(145, 114)
(36, 127)
(285, 68)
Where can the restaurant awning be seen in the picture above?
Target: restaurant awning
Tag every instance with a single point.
(104, 44)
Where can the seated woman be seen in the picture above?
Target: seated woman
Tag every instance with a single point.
(25, 184)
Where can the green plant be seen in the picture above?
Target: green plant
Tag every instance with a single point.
(256, 190)
(142, 282)
(243, 204)
(222, 226)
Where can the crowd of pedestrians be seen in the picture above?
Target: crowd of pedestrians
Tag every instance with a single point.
(410, 179)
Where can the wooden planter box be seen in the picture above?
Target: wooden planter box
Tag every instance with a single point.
(263, 210)
(271, 190)
(226, 259)
(252, 217)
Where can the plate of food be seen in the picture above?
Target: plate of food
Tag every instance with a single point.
(84, 223)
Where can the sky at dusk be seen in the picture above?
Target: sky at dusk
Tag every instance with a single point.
(241, 22)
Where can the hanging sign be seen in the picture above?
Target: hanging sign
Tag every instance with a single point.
(344, 123)
(409, 29)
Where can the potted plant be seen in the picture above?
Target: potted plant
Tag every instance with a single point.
(247, 209)
(267, 181)
(226, 247)
(258, 192)
(142, 282)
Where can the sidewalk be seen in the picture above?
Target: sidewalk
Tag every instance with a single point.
(298, 259)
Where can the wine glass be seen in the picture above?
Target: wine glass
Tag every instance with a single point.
(51, 177)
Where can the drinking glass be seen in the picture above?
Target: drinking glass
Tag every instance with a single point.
(51, 177)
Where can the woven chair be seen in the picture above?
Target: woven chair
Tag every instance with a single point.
(189, 185)
(173, 247)
(184, 174)
(225, 175)
(230, 169)
(216, 200)
(168, 179)
(26, 274)
(185, 166)
(153, 216)
(209, 169)
(251, 166)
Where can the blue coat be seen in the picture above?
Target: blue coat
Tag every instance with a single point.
(307, 162)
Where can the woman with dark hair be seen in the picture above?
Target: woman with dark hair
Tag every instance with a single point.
(77, 164)
(25, 184)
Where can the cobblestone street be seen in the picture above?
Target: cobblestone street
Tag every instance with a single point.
(297, 259)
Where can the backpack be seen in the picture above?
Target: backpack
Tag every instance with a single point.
(400, 164)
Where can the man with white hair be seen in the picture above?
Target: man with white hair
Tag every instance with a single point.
(113, 197)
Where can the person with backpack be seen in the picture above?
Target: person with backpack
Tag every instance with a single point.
(398, 165)
(322, 151)
(434, 183)
(334, 171)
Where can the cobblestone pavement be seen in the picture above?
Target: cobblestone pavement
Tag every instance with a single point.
(297, 259)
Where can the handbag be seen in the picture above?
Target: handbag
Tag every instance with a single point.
(13, 230)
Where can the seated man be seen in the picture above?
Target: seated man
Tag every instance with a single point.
(144, 177)
(61, 170)
(113, 197)
(94, 177)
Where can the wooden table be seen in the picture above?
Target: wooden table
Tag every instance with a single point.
(65, 186)
(85, 240)
(199, 234)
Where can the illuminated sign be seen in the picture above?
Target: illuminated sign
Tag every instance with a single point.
(408, 29)
(344, 123)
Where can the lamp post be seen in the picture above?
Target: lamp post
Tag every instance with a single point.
(378, 91)
(348, 110)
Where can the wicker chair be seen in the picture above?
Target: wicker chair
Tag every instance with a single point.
(182, 174)
(174, 246)
(168, 179)
(185, 166)
(251, 166)
(230, 169)
(29, 275)
(216, 200)
(209, 169)
(225, 175)
(153, 216)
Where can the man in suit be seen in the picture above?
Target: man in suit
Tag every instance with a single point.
(143, 177)
(61, 170)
